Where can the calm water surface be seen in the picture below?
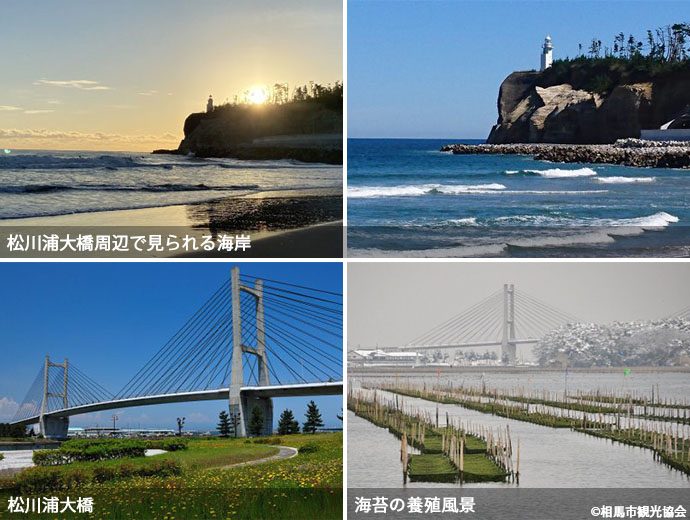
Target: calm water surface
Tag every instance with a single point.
(549, 457)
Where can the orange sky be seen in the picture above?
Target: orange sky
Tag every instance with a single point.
(124, 75)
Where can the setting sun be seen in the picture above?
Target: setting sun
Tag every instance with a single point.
(257, 95)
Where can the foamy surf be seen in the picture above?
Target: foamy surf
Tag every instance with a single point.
(624, 180)
(368, 192)
(556, 173)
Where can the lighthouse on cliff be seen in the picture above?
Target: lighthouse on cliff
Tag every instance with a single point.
(546, 54)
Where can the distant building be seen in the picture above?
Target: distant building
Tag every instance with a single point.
(370, 357)
(119, 432)
(546, 54)
(209, 104)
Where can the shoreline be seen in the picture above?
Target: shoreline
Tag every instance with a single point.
(624, 152)
(293, 223)
(414, 371)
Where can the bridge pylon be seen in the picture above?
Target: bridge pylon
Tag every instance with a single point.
(54, 427)
(241, 403)
(508, 345)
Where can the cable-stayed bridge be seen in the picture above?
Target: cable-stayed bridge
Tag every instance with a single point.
(505, 319)
(683, 314)
(252, 340)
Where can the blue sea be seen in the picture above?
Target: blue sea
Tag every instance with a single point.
(35, 183)
(406, 198)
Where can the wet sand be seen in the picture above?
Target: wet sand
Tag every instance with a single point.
(281, 224)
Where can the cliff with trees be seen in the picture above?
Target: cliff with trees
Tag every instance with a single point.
(608, 92)
(305, 126)
(639, 343)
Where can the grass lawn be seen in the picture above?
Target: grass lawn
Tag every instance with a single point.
(306, 486)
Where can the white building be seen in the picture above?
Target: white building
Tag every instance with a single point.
(546, 54)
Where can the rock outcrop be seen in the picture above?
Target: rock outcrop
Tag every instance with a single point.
(306, 131)
(534, 107)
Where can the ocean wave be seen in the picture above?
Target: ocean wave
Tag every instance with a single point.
(624, 180)
(51, 162)
(660, 219)
(553, 192)
(488, 250)
(469, 221)
(556, 173)
(156, 188)
(360, 192)
(633, 225)
(150, 162)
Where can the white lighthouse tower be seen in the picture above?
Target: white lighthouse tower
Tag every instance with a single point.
(546, 54)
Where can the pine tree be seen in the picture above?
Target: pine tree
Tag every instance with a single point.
(287, 424)
(234, 423)
(313, 418)
(256, 422)
(224, 426)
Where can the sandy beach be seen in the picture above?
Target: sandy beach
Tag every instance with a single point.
(280, 223)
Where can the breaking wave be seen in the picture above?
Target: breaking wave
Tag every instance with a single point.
(556, 173)
(419, 190)
(624, 180)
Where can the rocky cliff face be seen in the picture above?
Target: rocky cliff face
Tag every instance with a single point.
(534, 108)
(308, 132)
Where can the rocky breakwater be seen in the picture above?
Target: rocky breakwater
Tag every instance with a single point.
(626, 152)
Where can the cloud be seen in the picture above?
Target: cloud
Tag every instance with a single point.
(148, 93)
(54, 102)
(8, 407)
(38, 111)
(64, 136)
(8, 108)
(82, 84)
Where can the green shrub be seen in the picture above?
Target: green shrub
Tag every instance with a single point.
(168, 444)
(86, 450)
(104, 473)
(126, 470)
(309, 447)
(38, 479)
(48, 458)
(2, 456)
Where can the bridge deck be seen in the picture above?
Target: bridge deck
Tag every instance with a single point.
(295, 390)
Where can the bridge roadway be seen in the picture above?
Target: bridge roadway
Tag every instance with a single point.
(293, 390)
(460, 345)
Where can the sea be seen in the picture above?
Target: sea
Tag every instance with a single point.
(37, 183)
(406, 198)
(549, 457)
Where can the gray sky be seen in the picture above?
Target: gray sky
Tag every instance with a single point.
(392, 303)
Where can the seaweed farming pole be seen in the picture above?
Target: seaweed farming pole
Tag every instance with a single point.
(447, 454)
(651, 432)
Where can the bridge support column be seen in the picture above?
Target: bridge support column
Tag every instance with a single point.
(508, 346)
(236, 408)
(265, 404)
(55, 427)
